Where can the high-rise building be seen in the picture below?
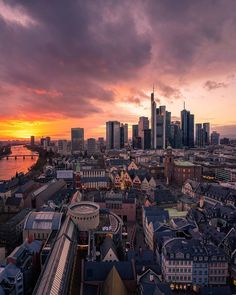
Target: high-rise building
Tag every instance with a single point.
(147, 139)
(153, 121)
(143, 124)
(123, 135)
(199, 135)
(163, 122)
(77, 139)
(126, 133)
(32, 140)
(101, 144)
(187, 126)
(136, 140)
(215, 138)
(62, 146)
(91, 146)
(202, 134)
(206, 131)
(134, 132)
(160, 125)
(175, 135)
(113, 135)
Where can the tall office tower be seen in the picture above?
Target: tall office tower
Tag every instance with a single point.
(91, 146)
(143, 124)
(101, 144)
(206, 131)
(147, 139)
(199, 135)
(62, 146)
(113, 135)
(32, 140)
(215, 138)
(123, 135)
(126, 133)
(122, 139)
(176, 135)
(77, 139)
(163, 121)
(153, 121)
(134, 131)
(168, 128)
(187, 126)
(136, 140)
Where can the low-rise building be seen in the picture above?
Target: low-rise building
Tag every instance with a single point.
(39, 225)
(152, 218)
(122, 204)
(192, 263)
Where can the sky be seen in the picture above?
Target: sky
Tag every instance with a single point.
(81, 63)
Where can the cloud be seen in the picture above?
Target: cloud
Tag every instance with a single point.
(211, 85)
(135, 96)
(169, 92)
(15, 15)
(62, 59)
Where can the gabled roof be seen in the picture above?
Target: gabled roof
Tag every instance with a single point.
(98, 271)
(113, 284)
(106, 246)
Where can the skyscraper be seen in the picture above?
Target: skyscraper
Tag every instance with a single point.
(77, 139)
(187, 126)
(101, 144)
(199, 135)
(91, 146)
(215, 138)
(62, 145)
(32, 140)
(113, 135)
(123, 135)
(206, 131)
(126, 133)
(160, 125)
(136, 140)
(147, 139)
(175, 135)
(153, 121)
(143, 124)
(202, 134)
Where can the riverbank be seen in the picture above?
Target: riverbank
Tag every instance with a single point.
(43, 158)
(5, 151)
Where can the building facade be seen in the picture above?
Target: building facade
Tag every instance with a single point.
(77, 139)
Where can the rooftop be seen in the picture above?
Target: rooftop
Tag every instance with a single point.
(84, 207)
(184, 163)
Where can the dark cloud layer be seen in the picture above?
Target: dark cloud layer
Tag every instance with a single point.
(69, 57)
(211, 85)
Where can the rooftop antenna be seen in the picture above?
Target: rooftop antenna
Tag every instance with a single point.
(184, 105)
(153, 88)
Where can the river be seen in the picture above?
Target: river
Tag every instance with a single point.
(8, 168)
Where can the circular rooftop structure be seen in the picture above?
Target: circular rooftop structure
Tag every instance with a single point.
(85, 215)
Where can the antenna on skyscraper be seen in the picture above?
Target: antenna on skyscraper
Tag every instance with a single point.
(153, 88)
(184, 105)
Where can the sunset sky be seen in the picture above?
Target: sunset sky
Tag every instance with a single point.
(67, 63)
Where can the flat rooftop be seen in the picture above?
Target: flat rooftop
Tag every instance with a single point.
(84, 207)
(184, 163)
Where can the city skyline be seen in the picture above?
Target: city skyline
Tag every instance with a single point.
(64, 68)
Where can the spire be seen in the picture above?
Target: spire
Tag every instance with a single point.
(184, 105)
